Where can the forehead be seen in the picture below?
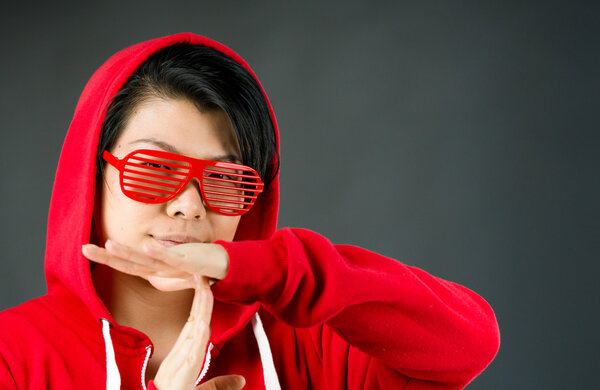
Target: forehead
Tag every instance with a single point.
(179, 124)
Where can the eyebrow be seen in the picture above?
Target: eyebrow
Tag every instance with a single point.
(170, 148)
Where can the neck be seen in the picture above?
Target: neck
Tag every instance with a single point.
(134, 302)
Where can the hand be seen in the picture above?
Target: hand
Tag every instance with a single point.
(168, 269)
(181, 366)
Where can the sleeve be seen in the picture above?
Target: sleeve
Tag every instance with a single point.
(7, 381)
(435, 333)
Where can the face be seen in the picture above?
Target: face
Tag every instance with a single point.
(175, 126)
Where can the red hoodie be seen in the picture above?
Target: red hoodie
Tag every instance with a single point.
(333, 316)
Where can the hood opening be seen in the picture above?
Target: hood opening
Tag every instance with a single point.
(72, 202)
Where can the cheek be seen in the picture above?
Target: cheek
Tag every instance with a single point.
(226, 227)
(118, 217)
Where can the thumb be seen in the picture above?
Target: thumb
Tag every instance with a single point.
(225, 382)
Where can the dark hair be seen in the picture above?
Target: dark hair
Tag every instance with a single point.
(210, 80)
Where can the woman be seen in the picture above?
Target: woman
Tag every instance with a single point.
(168, 183)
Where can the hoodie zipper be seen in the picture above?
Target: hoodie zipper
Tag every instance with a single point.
(202, 374)
(148, 353)
(206, 364)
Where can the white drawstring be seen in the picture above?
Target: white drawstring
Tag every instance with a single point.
(269, 373)
(113, 378)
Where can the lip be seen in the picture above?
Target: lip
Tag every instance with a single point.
(169, 240)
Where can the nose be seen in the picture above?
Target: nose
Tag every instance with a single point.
(188, 204)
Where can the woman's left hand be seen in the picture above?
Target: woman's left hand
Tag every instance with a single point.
(167, 269)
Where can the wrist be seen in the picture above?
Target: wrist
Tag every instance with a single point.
(257, 270)
(221, 254)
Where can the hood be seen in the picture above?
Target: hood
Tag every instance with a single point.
(72, 203)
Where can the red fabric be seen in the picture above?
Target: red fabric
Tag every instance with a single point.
(344, 317)
(336, 316)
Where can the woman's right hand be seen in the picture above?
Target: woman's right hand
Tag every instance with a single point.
(167, 269)
(180, 368)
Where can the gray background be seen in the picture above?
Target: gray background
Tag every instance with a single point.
(458, 137)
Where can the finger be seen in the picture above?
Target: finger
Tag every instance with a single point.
(181, 366)
(100, 255)
(210, 260)
(226, 382)
(202, 306)
(196, 332)
(120, 255)
(176, 263)
(127, 253)
(172, 257)
(205, 259)
(170, 284)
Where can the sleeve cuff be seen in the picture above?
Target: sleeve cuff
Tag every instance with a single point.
(257, 271)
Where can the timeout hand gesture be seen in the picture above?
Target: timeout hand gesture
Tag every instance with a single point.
(170, 269)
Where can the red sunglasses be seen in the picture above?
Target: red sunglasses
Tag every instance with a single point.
(154, 176)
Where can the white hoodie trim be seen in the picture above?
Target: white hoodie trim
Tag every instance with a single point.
(113, 378)
(206, 364)
(145, 366)
(269, 372)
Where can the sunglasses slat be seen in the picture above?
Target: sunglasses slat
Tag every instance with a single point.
(159, 162)
(231, 195)
(233, 188)
(148, 181)
(149, 168)
(234, 181)
(227, 202)
(245, 176)
(232, 210)
(145, 195)
(152, 189)
(149, 174)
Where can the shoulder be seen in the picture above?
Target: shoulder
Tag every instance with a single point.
(23, 315)
(43, 332)
(23, 324)
(22, 337)
(40, 324)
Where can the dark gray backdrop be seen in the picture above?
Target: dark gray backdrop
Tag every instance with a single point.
(456, 137)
